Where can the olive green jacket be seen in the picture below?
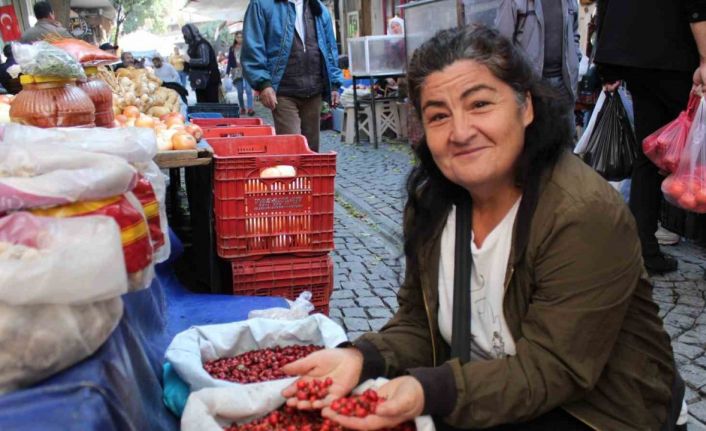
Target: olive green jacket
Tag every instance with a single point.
(578, 304)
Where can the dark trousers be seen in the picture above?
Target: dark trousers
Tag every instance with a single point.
(208, 94)
(555, 420)
(658, 98)
(299, 116)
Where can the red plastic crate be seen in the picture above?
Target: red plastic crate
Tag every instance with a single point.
(286, 276)
(237, 131)
(263, 216)
(226, 122)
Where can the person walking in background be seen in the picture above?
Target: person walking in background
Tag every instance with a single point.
(235, 72)
(547, 30)
(290, 57)
(177, 61)
(657, 59)
(12, 85)
(46, 27)
(164, 71)
(204, 75)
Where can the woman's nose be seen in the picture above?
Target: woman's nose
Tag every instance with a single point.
(463, 128)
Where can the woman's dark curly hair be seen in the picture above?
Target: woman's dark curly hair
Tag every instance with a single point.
(430, 194)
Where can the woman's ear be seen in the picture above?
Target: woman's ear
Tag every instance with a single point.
(528, 110)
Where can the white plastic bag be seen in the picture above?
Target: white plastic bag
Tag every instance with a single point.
(43, 59)
(40, 340)
(43, 175)
(46, 260)
(586, 136)
(298, 309)
(133, 144)
(190, 349)
(154, 175)
(214, 408)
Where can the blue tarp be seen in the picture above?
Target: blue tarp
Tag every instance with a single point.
(119, 387)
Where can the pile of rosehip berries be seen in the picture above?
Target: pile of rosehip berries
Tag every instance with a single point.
(290, 419)
(257, 365)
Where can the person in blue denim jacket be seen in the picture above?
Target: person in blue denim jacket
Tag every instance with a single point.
(289, 55)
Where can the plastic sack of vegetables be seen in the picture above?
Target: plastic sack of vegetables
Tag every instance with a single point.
(190, 349)
(215, 408)
(612, 147)
(45, 260)
(44, 59)
(127, 211)
(664, 147)
(84, 52)
(43, 175)
(136, 145)
(686, 187)
(41, 340)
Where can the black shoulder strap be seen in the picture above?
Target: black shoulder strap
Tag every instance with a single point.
(463, 260)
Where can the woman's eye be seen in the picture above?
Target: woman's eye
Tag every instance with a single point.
(436, 117)
(480, 104)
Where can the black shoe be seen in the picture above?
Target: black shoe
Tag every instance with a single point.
(660, 264)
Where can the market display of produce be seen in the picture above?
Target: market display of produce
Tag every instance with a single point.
(257, 365)
(139, 88)
(171, 130)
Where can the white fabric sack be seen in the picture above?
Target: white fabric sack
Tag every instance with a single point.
(214, 408)
(190, 349)
(586, 136)
(46, 260)
(43, 175)
(40, 340)
(134, 144)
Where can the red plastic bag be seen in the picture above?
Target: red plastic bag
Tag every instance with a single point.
(84, 52)
(686, 187)
(144, 192)
(664, 147)
(134, 233)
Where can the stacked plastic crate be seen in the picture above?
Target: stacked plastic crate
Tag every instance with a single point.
(273, 205)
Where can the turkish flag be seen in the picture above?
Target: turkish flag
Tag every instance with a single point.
(9, 27)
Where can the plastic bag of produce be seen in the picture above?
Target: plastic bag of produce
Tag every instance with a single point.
(664, 147)
(40, 340)
(686, 187)
(298, 309)
(84, 52)
(43, 59)
(583, 141)
(45, 260)
(43, 175)
(612, 146)
(212, 409)
(127, 211)
(191, 349)
(137, 146)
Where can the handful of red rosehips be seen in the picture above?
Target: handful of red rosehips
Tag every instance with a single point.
(290, 419)
(313, 390)
(357, 405)
(257, 365)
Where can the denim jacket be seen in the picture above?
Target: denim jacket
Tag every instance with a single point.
(531, 37)
(269, 31)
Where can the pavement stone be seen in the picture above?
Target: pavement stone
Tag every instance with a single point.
(368, 238)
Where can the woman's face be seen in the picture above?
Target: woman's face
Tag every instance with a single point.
(239, 37)
(474, 125)
(396, 28)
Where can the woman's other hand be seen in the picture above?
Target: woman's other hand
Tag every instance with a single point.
(343, 366)
(404, 401)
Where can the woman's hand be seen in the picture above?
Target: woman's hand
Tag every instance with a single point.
(404, 401)
(342, 365)
(611, 86)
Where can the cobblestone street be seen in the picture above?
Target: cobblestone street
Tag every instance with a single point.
(370, 198)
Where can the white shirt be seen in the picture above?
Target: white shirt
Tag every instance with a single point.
(167, 73)
(490, 335)
(299, 20)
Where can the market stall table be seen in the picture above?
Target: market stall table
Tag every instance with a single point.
(119, 387)
(356, 104)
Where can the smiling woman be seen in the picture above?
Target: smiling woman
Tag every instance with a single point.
(540, 316)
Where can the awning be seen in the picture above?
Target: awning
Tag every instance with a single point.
(218, 10)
